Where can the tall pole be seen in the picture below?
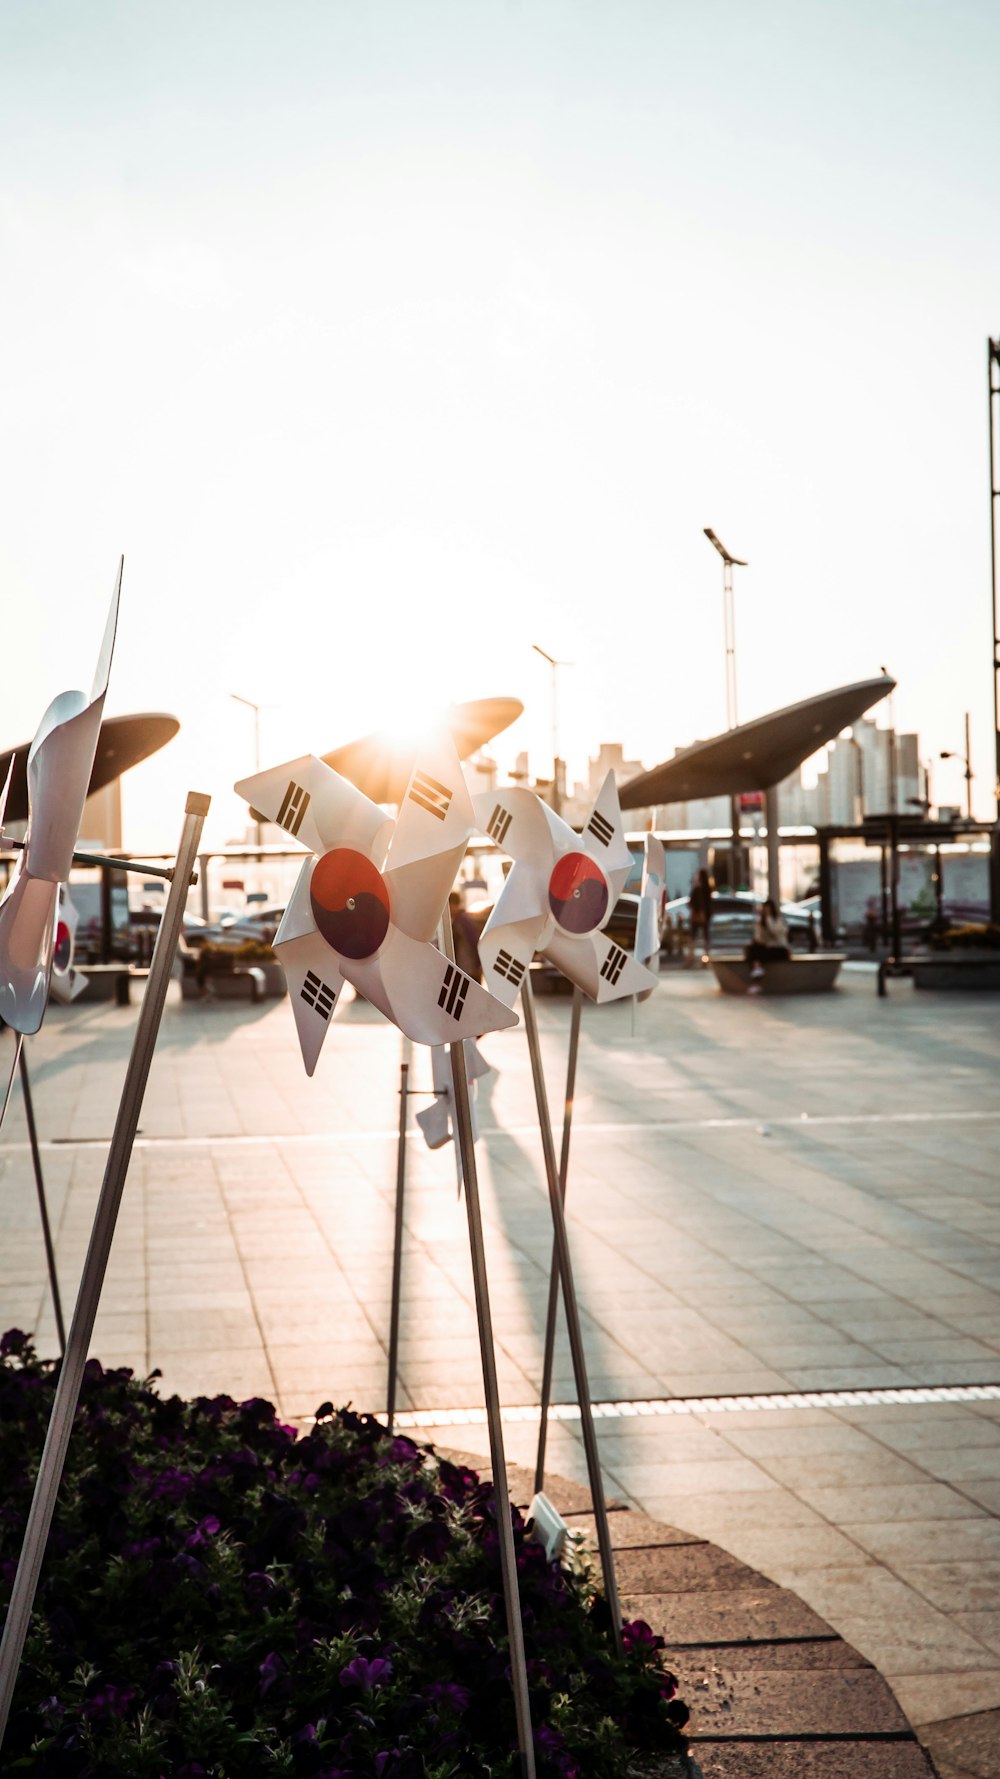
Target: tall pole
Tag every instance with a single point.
(556, 797)
(993, 381)
(730, 562)
(968, 770)
(67, 1393)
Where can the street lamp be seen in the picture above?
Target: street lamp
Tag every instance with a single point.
(729, 630)
(948, 753)
(555, 665)
(256, 741)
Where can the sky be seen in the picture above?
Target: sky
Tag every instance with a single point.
(388, 339)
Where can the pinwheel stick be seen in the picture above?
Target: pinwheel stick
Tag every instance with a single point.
(553, 1305)
(397, 1246)
(508, 1558)
(95, 1266)
(43, 1209)
(561, 1244)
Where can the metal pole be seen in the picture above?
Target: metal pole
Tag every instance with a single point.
(968, 770)
(397, 1245)
(572, 1316)
(36, 1162)
(508, 1557)
(773, 846)
(71, 1371)
(991, 367)
(553, 1304)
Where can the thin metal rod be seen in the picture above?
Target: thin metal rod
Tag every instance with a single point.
(572, 1317)
(36, 1162)
(508, 1558)
(115, 863)
(553, 1305)
(397, 1246)
(18, 1041)
(81, 1331)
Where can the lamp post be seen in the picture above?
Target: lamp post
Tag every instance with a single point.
(555, 666)
(732, 719)
(256, 742)
(948, 753)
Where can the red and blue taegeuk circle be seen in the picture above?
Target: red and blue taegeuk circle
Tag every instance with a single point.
(578, 893)
(350, 902)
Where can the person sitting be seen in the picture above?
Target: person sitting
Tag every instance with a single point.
(769, 943)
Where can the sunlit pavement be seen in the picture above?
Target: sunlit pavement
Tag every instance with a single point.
(770, 1196)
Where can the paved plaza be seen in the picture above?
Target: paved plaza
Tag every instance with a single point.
(770, 1197)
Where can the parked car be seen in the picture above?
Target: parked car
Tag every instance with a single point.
(734, 916)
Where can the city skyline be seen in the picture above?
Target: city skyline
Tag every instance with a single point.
(389, 343)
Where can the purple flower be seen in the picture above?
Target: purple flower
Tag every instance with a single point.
(110, 1701)
(364, 1673)
(448, 1692)
(204, 1530)
(13, 1342)
(270, 1668)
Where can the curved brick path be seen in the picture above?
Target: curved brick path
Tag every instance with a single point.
(773, 1692)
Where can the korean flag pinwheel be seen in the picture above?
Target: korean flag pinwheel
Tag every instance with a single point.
(368, 901)
(650, 910)
(560, 893)
(60, 763)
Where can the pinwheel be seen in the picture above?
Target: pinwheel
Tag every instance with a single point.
(650, 910)
(368, 900)
(67, 981)
(437, 1121)
(558, 896)
(59, 768)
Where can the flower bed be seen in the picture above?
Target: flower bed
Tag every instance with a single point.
(223, 1597)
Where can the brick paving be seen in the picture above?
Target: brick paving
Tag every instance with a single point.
(764, 1196)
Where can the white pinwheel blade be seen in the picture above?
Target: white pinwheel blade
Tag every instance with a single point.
(604, 838)
(430, 999)
(522, 826)
(654, 879)
(524, 897)
(604, 970)
(506, 954)
(436, 1120)
(27, 939)
(298, 921)
(430, 838)
(315, 805)
(312, 972)
(60, 762)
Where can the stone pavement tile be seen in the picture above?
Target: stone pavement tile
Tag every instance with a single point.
(960, 1465)
(630, 1530)
(985, 1494)
(202, 1331)
(815, 1470)
(821, 1702)
(784, 1553)
(855, 1504)
(758, 1437)
(891, 1624)
(928, 1699)
(877, 1759)
(701, 1478)
(934, 1427)
(984, 1625)
(725, 1517)
(681, 1568)
(966, 1747)
(762, 1613)
(902, 1541)
(800, 1656)
(238, 1373)
(952, 1584)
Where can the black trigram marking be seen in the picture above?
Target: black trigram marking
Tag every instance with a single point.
(434, 797)
(319, 995)
(293, 808)
(498, 824)
(454, 989)
(614, 964)
(509, 967)
(601, 828)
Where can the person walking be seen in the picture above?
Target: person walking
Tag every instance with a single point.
(700, 903)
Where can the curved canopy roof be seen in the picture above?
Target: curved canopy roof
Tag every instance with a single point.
(380, 764)
(122, 742)
(756, 755)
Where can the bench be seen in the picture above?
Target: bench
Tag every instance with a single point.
(244, 981)
(804, 973)
(106, 982)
